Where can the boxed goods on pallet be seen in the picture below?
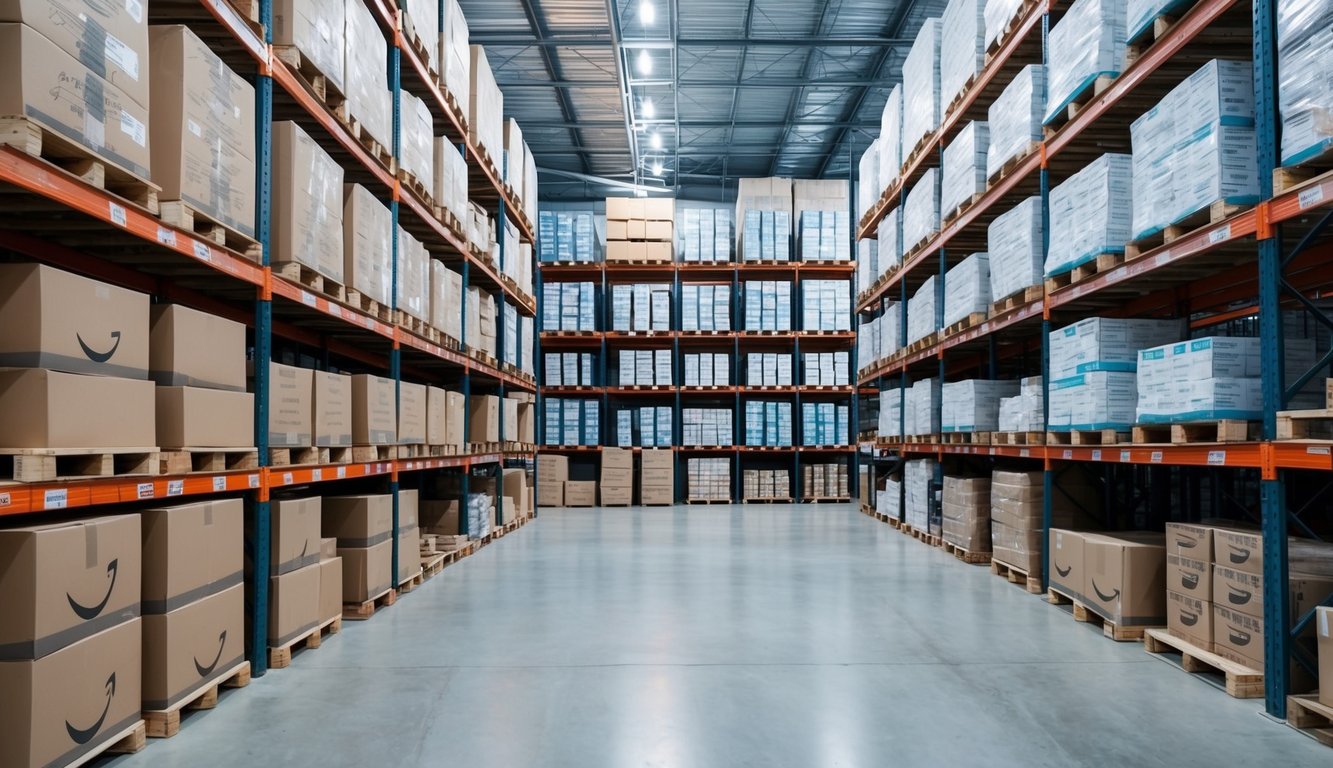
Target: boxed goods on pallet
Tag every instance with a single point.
(1015, 118)
(826, 305)
(647, 426)
(705, 307)
(645, 367)
(411, 413)
(889, 238)
(641, 307)
(921, 210)
(921, 318)
(921, 408)
(330, 582)
(889, 500)
(891, 155)
(203, 149)
(1200, 380)
(189, 348)
(568, 307)
(825, 424)
(1086, 44)
(446, 287)
(868, 189)
(1196, 148)
(963, 168)
(294, 534)
(413, 276)
(640, 218)
(374, 410)
(918, 477)
(306, 221)
(363, 526)
(708, 479)
(290, 406)
(771, 196)
(416, 153)
(317, 29)
(444, 417)
(1016, 513)
(1304, 42)
(867, 347)
(421, 23)
(52, 409)
(706, 234)
(706, 426)
(571, 422)
(768, 305)
(707, 369)
(962, 46)
(921, 87)
(657, 477)
(867, 263)
(1093, 401)
(825, 481)
(515, 493)
(617, 476)
(768, 423)
(455, 56)
(567, 236)
(483, 419)
(1014, 247)
(974, 405)
(998, 14)
(965, 512)
(1091, 213)
(768, 369)
(485, 106)
(198, 417)
(825, 369)
(891, 413)
(516, 157)
(967, 289)
(765, 484)
(567, 369)
(1107, 344)
(1024, 412)
(552, 472)
(824, 236)
(367, 244)
(1119, 576)
(891, 330)
(366, 72)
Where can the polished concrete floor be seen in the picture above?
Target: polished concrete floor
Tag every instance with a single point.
(725, 636)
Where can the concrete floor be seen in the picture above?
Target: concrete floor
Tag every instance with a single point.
(725, 636)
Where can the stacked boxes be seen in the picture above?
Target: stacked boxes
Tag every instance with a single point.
(455, 56)
(363, 526)
(768, 369)
(567, 236)
(826, 305)
(485, 112)
(568, 307)
(645, 367)
(484, 416)
(705, 307)
(446, 288)
(765, 484)
(967, 289)
(891, 413)
(974, 405)
(649, 426)
(825, 369)
(707, 369)
(366, 72)
(1304, 38)
(515, 495)
(1092, 365)
(708, 479)
(567, 369)
(965, 512)
(450, 176)
(641, 307)
(768, 423)
(824, 236)
(921, 210)
(1016, 513)
(444, 417)
(414, 280)
(417, 154)
(1026, 411)
(617, 484)
(998, 14)
(889, 239)
(290, 406)
(367, 245)
(1014, 247)
(889, 500)
(962, 46)
(1088, 43)
(868, 190)
(706, 426)
(374, 410)
(963, 174)
(571, 422)
(765, 235)
(921, 87)
(1118, 576)
(867, 263)
(198, 362)
(411, 413)
(918, 476)
(1015, 118)
(640, 229)
(295, 573)
(317, 28)
(921, 318)
(1189, 583)
(657, 477)
(71, 599)
(1202, 379)
(825, 481)
(552, 472)
(307, 212)
(921, 411)
(706, 234)
(768, 305)
(1090, 213)
(891, 139)
(825, 424)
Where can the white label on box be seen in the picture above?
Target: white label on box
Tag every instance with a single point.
(5, 500)
(145, 490)
(220, 483)
(94, 131)
(194, 128)
(166, 237)
(175, 487)
(123, 56)
(286, 478)
(132, 127)
(1217, 457)
(1312, 196)
(56, 498)
(202, 252)
(253, 481)
(316, 475)
(341, 473)
(1097, 454)
(117, 214)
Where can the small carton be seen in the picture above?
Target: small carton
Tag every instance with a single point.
(552, 472)
(358, 521)
(293, 605)
(1190, 540)
(331, 419)
(411, 413)
(374, 416)
(294, 526)
(1239, 637)
(290, 409)
(193, 417)
(307, 196)
(1186, 576)
(1190, 618)
(437, 416)
(509, 419)
(192, 646)
(366, 571)
(580, 493)
(189, 348)
(484, 419)
(50, 409)
(1239, 549)
(1238, 590)
(191, 551)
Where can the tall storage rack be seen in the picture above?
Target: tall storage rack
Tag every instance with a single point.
(734, 343)
(76, 226)
(1256, 262)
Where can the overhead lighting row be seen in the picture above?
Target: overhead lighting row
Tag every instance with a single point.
(644, 65)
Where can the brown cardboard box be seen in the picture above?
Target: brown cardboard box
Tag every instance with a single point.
(580, 493)
(659, 208)
(619, 250)
(1190, 618)
(455, 405)
(439, 516)
(411, 413)
(203, 129)
(192, 417)
(1238, 591)
(51, 87)
(1191, 540)
(624, 208)
(1193, 578)
(367, 244)
(617, 473)
(616, 229)
(63, 582)
(48, 409)
(657, 477)
(409, 508)
(189, 348)
(330, 588)
(1238, 637)
(409, 545)
(552, 472)
(294, 526)
(293, 605)
(1067, 569)
(290, 406)
(1243, 550)
(1126, 577)
(516, 494)
(437, 416)
(191, 646)
(659, 230)
(108, 38)
(191, 551)
(54, 319)
(484, 419)
(617, 495)
(374, 420)
(526, 423)
(636, 229)
(331, 418)
(509, 419)
(358, 521)
(316, 28)
(72, 702)
(661, 251)
(367, 571)
(1324, 638)
(307, 213)
(328, 549)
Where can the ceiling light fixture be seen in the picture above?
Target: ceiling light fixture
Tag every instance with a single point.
(649, 111)
(655, 140)
(647, 13)
(657, 168)
(645, 63)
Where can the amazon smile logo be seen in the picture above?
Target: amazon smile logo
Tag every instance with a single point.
(1189, 619)
(87, 612)
(205, 671)
(95, 356)
(1103, 596)
(1063, 572)
(1238, 596)
(1238, 555)
(84, 735)
(1189, 580)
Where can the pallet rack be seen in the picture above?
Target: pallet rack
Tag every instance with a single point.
(1255, 262)
(75, 226)
(733, 342)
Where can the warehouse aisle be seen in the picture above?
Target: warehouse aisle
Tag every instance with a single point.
(725, 636)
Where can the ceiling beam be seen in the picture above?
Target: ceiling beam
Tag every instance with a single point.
(816, 123)
(768, 82)
(509, 39)
(798, 95)
(537, 20)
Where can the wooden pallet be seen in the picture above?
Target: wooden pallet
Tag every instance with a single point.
(181, 214)
(965, 438)
(826, 499)
(362, 454)
(308, 278)
(281, 656)
(412, 582)
(1012, 163)
(1016, 299)
(300, 456)
(1306, 714)
(31, 138)
(1149, 36)
(373, 147)
(43, 465)
(1076, 105)
(767, 500)
(310, 76)
(126, 741)
(1216, 212)
(165, 723)
(1084, 613)
(974, 319)
(1242, 682)
(1104, 262)
(962, 207)
(432, 564)
(1314, 424)
(1087, 437)
(366, 608)
(181, 461)
(695, 500)
(1287, 179)
(967, 555)
(1220, 431)
(413, 451)
(1018, 438)
(1023, 578)
(363, 303)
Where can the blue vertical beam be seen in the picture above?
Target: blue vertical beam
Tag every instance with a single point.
(395, 354)
(463, 520)
(500, 356)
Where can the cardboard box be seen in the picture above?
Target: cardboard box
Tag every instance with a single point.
(411, 413)
(306, 221)
(330, 589)
(409, 547)
(657, 477)
(1191, 540)
(191, 646)
(293, 605)
(203, 129)
(1239, 637)
(192, 417)
(1067, 569)
(509, 419)
(659, 230)
(367, 244)
(190, 552)
(374, 416)
(1242, 550)
(1324, 638)
(358, 521)
(53, 88)
(437, 416)
(64, 706)
(63, 582)
(1192, 578)
(1190, 618)
(580, 493)
(366, 571)
(483, 419)
(515, 489)
(316, 28)
(294, 526)
(1126, 577)
(1238, 591)
(108, 38)
(455, 405)
(328, 548)
(290, 406)
(616, 229)
(527, 423)
(617, 495)
(331, 418)
(439, 516)
(623, 208)
(636, 229)
(552, 472)
(659, 208)
(189, 348)
(49, 409)
(54, 319)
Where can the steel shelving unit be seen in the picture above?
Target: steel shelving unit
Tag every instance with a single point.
(88, 230)
(1253, 264)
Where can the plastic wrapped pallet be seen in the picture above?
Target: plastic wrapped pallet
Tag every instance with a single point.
(446, 290)
(826, 305)
(974, 405)
(1014, 244)
(921, 211)
(868, 189)
(921, 317)
(706, 426)
(890, 242)
(771, 196)
(918, 477)
(705, 234)
(891, 413)
(1087, 43)
(531, 185)
(825, 369)
(307, 203)
(921, 87)
(867, 348)
(824, 236)
(967, 289)
(1091, 401)
(707, 369)
(825, 424)
(891, 330)
(567, 236)
(421, 20)
(1014, 118)
(366, 73)
(768, 305)
(367, 244)
(317, 29)
(708, 479)
(923, 406)
(1017, 511)
(1091, 213)
(964, 167)
(641, 307)
(768, 369)
(515, 155)
(1196, 147)
(965, 512)
(1208, 378)
(1024, 412)
(418, 144)
(705, 307)
(867, 263)
(455, 58)
(998, 14)
(889, 500)
(1305, 92)
(1107, 344)
(449, 177)
(568, 307)
(962, 46)
(768, 423)
(485, 107)
(413, 276)
(891, 139)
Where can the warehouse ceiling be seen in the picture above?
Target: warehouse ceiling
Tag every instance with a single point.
(689, 95)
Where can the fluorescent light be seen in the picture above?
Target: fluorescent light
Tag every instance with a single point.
(655, 140)
(645, 63)
(647, 13)
(657, 168)
(649, 111)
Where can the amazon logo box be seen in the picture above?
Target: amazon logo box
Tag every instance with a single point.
(1239, 637)
(64, 582)
(295, 534)
(1239, 549)
(1125, 577)
(1191, 540)
(190, 552)
(58, 320)
(74, 701)
(1186, 576)
(191, 646)
(1190, 618)
(51, 409)
(1066, 562)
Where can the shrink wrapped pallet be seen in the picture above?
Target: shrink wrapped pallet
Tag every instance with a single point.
(1014, 243)
(867, 263)
(455, 57)
(1014, 118)
(998, 14)
(449, 178)
(485, 107)
(964, 167)
(366, 72)
(921, 316)
(1087, 43)
(891, 139)
(413, 276)
(1202, 379)
(967, 289)
(890, 333)
(367, 244)
(317, 29)
(868, 189)
(417, 151)
(890, 242)
(1091, 213)
(889, 500)
(962, 46)
(918, 477)
(421, 20)
(867, 347)
(1024, 412)
(965, 512)
(921, 87)
(1305, 90)
(974, 405)
(923, 407)
(891, 413)
(1092, 401)
(921, 211)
